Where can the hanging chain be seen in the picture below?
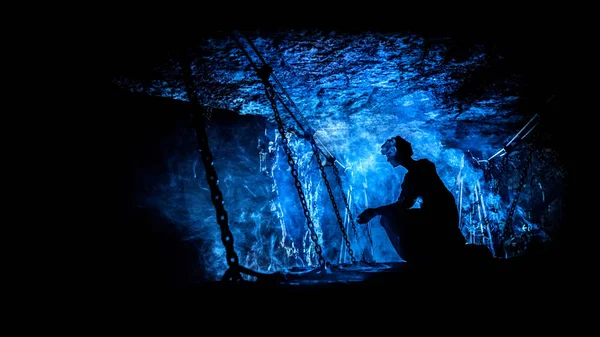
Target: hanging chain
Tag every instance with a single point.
(503, 163)
(264, 73)
(313, 235)
(339, 182)
(235, 270)
(508, 226)
(233, 273)
(331, 196)
(486, 224)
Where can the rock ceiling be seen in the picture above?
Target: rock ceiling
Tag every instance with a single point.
(475, 93)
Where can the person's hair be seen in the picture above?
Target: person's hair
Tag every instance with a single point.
(403, 146)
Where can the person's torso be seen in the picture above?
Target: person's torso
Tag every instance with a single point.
(425, 183)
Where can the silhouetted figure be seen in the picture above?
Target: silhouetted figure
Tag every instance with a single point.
(425, 235)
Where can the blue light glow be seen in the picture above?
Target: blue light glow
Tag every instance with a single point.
(265, 214)
(266, 217)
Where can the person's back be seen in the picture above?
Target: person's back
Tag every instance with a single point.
(424, 182)
(431, 233)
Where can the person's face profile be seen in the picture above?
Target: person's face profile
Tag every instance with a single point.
(388, 149)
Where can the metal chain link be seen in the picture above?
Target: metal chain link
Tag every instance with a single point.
(503, 163)
(513, 206)
(233, 273)
(486, 223)
(487, 174)
(235, 269)
(264, 73)
(331, 196)
(339, 182)
(352, 222)
(313, 235)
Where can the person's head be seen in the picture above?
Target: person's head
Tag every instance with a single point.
(397, 150)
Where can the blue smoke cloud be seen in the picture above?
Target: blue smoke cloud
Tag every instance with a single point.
(267, 219)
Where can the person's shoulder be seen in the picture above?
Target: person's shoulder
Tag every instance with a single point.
(426, 163)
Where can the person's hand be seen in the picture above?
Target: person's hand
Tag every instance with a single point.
(366, 216)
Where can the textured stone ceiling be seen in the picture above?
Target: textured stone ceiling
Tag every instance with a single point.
(475, 93)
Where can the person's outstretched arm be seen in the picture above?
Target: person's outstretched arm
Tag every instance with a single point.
(405, 201)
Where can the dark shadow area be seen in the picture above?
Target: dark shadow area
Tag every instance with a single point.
(152, 250)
